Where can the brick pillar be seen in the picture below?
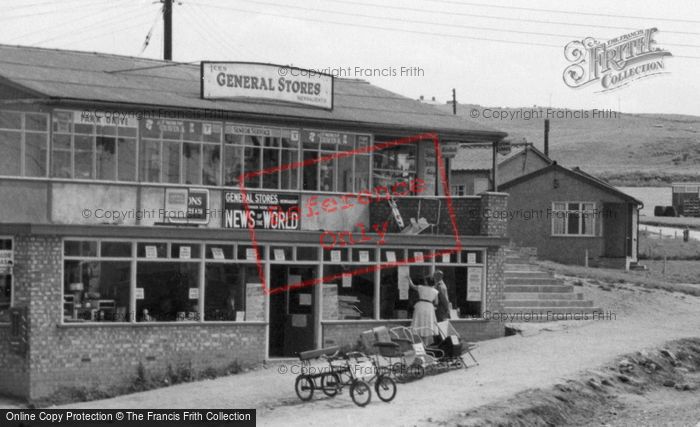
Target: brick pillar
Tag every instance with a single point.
(494, 211)
(38, 285)
(495, 279)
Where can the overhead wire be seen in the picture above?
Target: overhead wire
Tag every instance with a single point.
(389, 29)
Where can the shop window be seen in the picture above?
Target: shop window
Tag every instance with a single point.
(220, 252)
(6, 270)
(233, 157)
(152, 250)
(171, 162)
(167, 291)
(150, 160)
(464, 290)
(346, 295)
(307, 253)
(184, 250)
(278, 253)
(232, 293)
(394, 164)
(397, 299)
(115, 249)
(80, 248)
(27, 133)
(327, 165)
(211, 167)
(251, 253)
(96, 291)
(192, 163)
(573, 219)
(84, 150)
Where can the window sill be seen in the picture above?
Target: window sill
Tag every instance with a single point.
(371, 321)
(585, 236)
(69, 325)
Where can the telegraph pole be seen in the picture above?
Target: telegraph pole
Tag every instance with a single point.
(454, 102)
(168, 30)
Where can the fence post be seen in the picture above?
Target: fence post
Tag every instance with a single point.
(664, 270)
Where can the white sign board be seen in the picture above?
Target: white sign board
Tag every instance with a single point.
(226, 80)
(474, 279)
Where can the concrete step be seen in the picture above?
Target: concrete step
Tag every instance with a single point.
(544, 311)
(543, 295)
(535, 304)
(533, 281)
(538, 288)
(533, 274)
(520, 266)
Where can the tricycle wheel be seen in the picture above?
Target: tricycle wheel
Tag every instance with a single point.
(330, 384)
(416, 371)
(304, 386)
(360, 392)
(385, 388)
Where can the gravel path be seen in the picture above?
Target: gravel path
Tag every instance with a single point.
(543, 355)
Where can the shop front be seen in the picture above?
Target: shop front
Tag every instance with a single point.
(140, 240)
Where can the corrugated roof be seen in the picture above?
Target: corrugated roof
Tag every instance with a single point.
(85, 76)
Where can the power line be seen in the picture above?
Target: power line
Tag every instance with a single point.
(50, 12)
(383, 28)
(443, 24)
(21, 36)
(150, 32)
(568, 12)
(221, 38)
(101, 24)
(500, 18)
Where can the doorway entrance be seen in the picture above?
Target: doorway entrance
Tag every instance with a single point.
(292, 312)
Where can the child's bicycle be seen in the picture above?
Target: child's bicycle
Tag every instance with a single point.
(354, 369)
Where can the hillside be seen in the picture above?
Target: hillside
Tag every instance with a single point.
(633, 149)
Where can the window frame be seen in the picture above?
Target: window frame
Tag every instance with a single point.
(581, 211)
(22, 131)
(12, 274)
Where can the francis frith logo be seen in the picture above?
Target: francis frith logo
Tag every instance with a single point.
(614, 63)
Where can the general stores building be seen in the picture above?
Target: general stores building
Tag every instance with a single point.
(127, 238)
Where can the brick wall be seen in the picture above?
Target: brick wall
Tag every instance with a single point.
(13, 368)
(494, 211)
(98, 356)
(434, 210)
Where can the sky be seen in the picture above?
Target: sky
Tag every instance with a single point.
(502, 53)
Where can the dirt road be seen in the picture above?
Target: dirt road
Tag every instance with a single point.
(544, 355)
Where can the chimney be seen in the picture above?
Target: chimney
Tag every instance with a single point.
(546, 137)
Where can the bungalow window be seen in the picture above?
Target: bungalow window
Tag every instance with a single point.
(459, 190)
(24, 141)
(573, 219)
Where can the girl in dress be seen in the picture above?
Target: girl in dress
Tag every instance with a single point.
(424, 321)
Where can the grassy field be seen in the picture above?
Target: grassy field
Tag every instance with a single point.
(668, 221)
(632, 149)
(651, 279)
(654, 247)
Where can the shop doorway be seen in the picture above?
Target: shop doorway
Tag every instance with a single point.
(292, 312)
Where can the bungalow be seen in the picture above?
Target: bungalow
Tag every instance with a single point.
(566, 214)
